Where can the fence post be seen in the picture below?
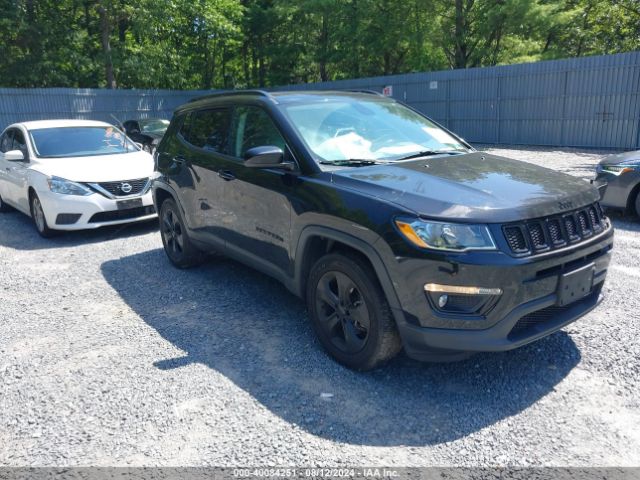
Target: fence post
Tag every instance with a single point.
(564, 108)
(498, 110)
(448, 98)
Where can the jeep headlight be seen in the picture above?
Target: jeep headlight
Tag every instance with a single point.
(456, 237)
(67, 187)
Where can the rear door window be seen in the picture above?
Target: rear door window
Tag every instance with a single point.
(208, 129)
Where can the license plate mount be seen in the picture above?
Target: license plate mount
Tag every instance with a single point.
(574, 285)
(129, 204)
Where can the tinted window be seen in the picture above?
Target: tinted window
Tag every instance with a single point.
(6, 141)
(185, 127)
(207, 129)
(131, 126)
(254, 128)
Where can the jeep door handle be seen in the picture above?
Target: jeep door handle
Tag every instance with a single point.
(226, 175)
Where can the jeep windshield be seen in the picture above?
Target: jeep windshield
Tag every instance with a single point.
(338, 129)
(64, 142)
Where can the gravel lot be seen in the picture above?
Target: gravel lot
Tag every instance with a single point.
(109, 356)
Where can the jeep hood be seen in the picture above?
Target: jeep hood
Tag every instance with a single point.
(475, 187)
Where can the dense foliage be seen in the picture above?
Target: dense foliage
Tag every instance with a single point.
(203, 44)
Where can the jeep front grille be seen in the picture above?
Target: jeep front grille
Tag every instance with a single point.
(549, 233)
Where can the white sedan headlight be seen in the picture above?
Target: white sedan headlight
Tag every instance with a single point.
(456, 237)
(67, 187)
(619, 169)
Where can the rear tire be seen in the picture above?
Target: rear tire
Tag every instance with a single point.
(177, 244)
(39, 220)
(350, 314)
(636, 204)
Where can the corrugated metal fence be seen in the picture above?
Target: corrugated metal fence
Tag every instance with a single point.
(24, 104)
(585, 102)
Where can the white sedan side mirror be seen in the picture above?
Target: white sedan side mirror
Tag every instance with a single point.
(14, 156)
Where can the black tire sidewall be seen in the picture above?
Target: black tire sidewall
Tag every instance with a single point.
(170, 205)
(46, 232)
(366, 358)
(190, 255)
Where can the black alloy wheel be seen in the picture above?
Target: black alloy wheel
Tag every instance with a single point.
(177, 245)
(342, 312)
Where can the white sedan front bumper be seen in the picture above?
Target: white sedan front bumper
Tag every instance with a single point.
(73, 212)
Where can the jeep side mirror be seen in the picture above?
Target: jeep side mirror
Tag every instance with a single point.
(266, 157)
(14, 156)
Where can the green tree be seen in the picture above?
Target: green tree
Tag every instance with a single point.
(205, 44)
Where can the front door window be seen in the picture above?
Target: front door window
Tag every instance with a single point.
(254, 128)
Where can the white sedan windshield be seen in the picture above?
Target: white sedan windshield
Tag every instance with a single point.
(343, 129)
(63, 142)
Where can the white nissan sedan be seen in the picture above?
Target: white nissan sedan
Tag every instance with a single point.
(74, 175)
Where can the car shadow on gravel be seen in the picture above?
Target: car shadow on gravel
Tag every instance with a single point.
(248, 327)
(17, 232)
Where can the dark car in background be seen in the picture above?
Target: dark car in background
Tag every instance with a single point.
(147, 132)
(618, 179)
(396, 232)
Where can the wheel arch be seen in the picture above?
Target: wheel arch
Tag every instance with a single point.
(317, 241)
(631, 200)
(162, 193)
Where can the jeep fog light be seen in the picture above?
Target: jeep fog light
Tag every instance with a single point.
(442, 301)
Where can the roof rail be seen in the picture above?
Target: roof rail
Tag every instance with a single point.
(364, 90)
(231, 92)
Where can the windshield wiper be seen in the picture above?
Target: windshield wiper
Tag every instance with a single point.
(354, 162)
(428, 153)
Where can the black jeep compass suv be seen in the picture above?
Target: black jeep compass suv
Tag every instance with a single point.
(396, 232)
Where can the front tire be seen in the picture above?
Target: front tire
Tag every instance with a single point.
(350, 314)
(3, 206)
(39, 220)
(177, 244)
(636, 204)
